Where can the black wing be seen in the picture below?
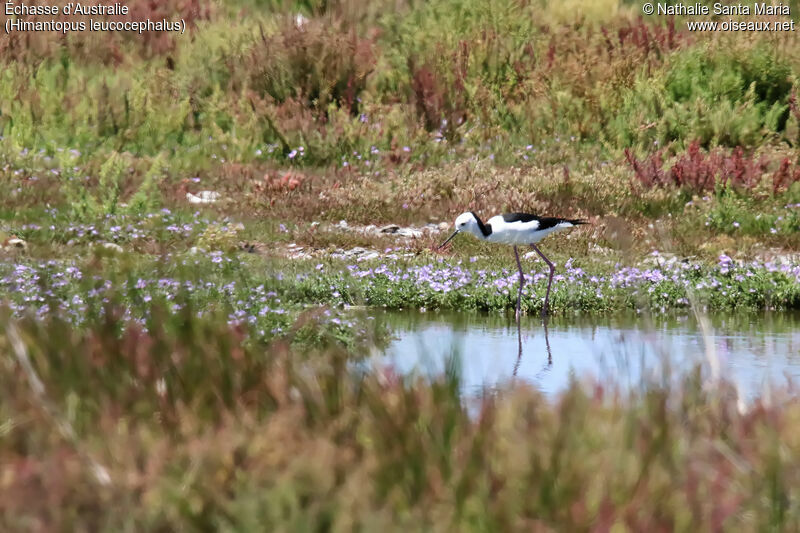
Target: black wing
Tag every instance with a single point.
(544, 222)
(519, 217)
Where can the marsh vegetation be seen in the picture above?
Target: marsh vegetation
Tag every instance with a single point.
(186, 344)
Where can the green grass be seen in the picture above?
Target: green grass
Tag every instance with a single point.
(389, 79)
(267, 293)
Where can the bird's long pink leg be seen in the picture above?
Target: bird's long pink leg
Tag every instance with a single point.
(550, 281)
(521, 281)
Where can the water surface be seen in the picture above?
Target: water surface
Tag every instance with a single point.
(749, 349)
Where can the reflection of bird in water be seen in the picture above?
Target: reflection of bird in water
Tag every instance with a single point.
(514, 229)
(547, 365)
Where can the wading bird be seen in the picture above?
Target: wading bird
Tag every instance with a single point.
(515, 229)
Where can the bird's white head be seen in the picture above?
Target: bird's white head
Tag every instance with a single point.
(467, 222)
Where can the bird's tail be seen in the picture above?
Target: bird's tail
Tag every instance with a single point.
(577, 221)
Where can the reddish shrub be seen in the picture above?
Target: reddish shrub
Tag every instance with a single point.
(439, 91)
(649, 172)
(649, 37)
(647, 40)
(315, 65)
(703, 171)
(793, 107)
(786, 174)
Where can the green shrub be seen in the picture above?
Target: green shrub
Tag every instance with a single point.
(717, 96)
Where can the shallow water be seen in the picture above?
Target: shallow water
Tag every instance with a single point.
(751, 349)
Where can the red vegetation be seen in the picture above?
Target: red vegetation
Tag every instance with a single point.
(315, 65)
(793, 107)
(288, 181)
(439, 92)
(703, 171)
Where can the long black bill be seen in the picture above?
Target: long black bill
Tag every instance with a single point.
(450, 238)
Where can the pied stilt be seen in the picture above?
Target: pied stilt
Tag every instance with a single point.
(515, 229)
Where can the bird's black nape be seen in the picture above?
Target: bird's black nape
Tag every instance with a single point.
(486, 229)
